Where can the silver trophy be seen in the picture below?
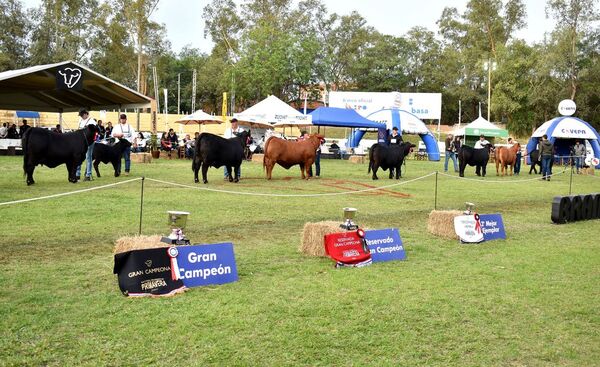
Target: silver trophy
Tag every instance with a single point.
(470, 208)
(349, 214)
(177, 221)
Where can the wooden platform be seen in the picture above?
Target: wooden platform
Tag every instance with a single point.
(357, 159)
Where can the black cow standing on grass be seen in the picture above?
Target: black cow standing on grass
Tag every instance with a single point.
(392, 157)
(41, 146)
(106, 153)
(534, 157)
(474, 157)
(215, 151)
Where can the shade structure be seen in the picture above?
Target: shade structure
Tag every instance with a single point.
(481, 126)
(199, 117)
(566, 128)
(256, 124)
(273, 110)
(342, 117)
(65, 86)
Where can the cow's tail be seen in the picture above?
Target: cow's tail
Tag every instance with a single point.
(24, 143)
(265, 153)
(370, 159)
(196, 152)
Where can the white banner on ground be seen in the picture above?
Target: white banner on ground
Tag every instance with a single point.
(426, 106)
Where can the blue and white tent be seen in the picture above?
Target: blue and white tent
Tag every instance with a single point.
(563, 131)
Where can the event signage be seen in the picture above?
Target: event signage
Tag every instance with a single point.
(574, 208)
(69, 78)
(426, 106)
(145, 273)
(468, 228)
(347, 249)
(201, 265)
(492, 227)
(385, 244)
(567, 107)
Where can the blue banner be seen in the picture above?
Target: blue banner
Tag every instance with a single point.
(206, 264)
(492, 227)
(385, 244)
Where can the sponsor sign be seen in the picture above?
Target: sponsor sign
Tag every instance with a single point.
(347, 249)
(486, 132)
(68, 77)
(385, 244)
(468, 228)
(426, 106)
(492, 227)
(567, 107)
(145, 272)
(574, 208)
(201, 265)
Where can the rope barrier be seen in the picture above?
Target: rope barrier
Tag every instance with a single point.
(69, 193)
(291, 195)
(501, 181)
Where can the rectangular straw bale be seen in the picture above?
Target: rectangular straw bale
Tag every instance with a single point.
(258, 158)
(313, 237)
(129, 243)
(441, 223)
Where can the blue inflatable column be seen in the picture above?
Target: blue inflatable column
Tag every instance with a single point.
(596, 148)
(431, 146)
(354, 138)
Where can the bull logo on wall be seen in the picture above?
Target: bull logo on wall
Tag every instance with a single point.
(69, 78)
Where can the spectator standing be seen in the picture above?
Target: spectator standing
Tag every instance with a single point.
(85, 120)
(481, 143)
(579, 153)
(546, 155)
(12, 133)
(124, 131)
(232, 132)
(101, 131)
(519, 155)
(24, 127)
(450, 153)
(3, 130)
(57, 129)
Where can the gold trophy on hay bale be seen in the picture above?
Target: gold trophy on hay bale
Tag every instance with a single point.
(470, 208)
(177, 221)
(349, 214)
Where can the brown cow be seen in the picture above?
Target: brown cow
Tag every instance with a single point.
(506, 156)
(289, 153)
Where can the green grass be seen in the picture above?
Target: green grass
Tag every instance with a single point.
(531, 300)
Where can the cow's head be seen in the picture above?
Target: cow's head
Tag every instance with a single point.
(90, 132)
(316, 139)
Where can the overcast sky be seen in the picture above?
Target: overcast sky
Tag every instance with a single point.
(183, 18)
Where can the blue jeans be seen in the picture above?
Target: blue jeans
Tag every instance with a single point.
(517, 168)
(546, 161)
(450, 155)
(126, 155)
(88, 162)
(232, 171)
(578, 163)
(318, 164)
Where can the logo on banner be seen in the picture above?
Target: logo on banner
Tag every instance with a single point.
(201, 265)
(492, 227)
(567, 107)
(385, 244)
(468, 228)
(69, 78)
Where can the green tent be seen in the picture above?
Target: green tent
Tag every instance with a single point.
(480, 126)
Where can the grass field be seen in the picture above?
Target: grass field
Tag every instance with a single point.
(532, 300)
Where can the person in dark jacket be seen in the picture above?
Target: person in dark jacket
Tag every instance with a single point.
(546, 156)
(24, 127)
(395, 137)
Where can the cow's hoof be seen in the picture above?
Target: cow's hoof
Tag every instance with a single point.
(236, 180)
(196, 180)
(29, 183)
(375, 178)
(205, 181)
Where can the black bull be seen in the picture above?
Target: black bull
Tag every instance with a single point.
(51, 149)
(384, 157)
(110, 154)
(474, 157)
(215, 151)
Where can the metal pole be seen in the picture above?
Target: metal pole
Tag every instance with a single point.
(178, 93)
(489, 88)
(194, 91)
(141, 205)
(436, 189)
(459, 112)
(571, 180)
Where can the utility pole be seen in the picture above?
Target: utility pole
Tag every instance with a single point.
(179, 93)
(193, 91)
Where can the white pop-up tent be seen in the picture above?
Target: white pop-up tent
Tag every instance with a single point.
(274, 111)
(480, 126)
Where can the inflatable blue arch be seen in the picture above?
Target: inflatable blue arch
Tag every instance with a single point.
(407, 123)
(561, 132)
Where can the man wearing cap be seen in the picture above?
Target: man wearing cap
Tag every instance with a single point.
(232, 132)
(124, 131)
(85, 120)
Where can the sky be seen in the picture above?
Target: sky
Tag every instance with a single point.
(185, 26)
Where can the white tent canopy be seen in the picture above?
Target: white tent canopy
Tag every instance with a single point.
(483, 126)
(199, 117)
(274, 111)
(565, 128)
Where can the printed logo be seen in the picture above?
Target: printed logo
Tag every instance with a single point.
(148, 263)
(70, 76)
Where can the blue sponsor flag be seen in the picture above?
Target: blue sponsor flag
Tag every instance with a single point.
(201, 265)
(492, 227)
(385, 244)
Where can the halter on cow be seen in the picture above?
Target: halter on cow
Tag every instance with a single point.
(289, 153)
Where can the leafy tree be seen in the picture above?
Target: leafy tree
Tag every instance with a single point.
(15, 26)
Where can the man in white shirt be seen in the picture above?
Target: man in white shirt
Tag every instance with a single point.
(481, 143)
(3, 130)
(124, 131)
(85, 120)
(232, 132)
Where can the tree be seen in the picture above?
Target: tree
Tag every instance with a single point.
(15, 26)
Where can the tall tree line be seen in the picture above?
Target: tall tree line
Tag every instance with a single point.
(283, 47)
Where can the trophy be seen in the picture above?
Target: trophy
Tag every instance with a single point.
(177, 222)
(470, 207)
(349, 214)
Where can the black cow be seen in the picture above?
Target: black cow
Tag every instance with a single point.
(110, 154)
(384, 156)
(215, 151)
(51, 149)
(474, 157)
(534, 157)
